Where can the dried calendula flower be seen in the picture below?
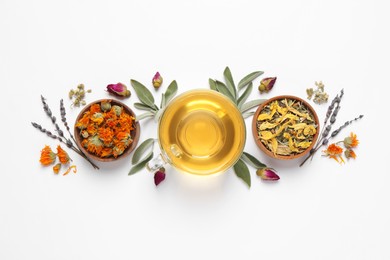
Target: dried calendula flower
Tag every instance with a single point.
(57, 168)
(335, 152)
(62, 155)
(349, 153)
(351, 141)
(47, 156)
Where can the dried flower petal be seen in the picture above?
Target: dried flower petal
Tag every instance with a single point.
(118, 89)
(62, 155)
(69, 169)
(157, 80)
(267, 174)
(57, 168)
(335, 152)
(159, 176)
(267, 84)
(47, 156)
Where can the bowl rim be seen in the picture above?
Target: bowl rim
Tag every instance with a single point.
(262, 146)
(134, 134)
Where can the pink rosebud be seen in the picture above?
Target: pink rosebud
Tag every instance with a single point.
(267, 174)
(157, 80)
(159, 176)
(267, 84)
(119, 89)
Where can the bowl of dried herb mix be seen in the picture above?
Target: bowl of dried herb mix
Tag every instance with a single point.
(106, 130)
(285, 127)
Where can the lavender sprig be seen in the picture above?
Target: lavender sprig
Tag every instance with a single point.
(60, 137)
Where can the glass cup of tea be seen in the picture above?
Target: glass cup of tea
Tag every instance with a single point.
(200, 132)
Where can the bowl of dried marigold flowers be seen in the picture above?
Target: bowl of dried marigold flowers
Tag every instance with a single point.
(106, 130)
(285, 127)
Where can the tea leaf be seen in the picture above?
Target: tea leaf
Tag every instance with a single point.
(143, 93)
(252, 104)
(249, 78)
(251, 160)
(245, 95)
(230, 82)
(145, 115)
(242, 172)
(221, 87)
(142, 106)
(170, 92)
(141, 165)
(141, 149)
(213, 85)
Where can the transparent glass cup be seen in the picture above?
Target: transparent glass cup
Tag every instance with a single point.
(200, 132)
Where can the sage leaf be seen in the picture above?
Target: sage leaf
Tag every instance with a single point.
(252, 161)
(145, 115)
(141, 150)
(142, 106)
(252, 104)
(136, 168)
(170, 92)
(244, 96)
(242, 172)
(221, 87)
(248, 114)
(144, 95)
(163, 101)
(158, 115)
(213, 85)
(230, 82)
(249, 78)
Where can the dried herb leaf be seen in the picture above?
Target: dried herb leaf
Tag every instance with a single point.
(248, 78)
(141, 165)
(242, 172)
(221, 87)
(170, 92)
(248, 114)
(230, 82)
(142, 106)
(251, 160)
(145, 115)
(163, 101)
(244, 96)
(148, 143)
(252, 104)
(213, 85)
(144, 95)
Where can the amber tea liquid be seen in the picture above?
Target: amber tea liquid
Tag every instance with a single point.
(202, 132)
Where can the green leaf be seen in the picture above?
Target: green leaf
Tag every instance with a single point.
(144, 95)
(163, 101)
(145, 115)
(170, 92)
(248, 78)
(142, 106)
(241, 100)
(252, 104)
(230, 82)
(252, 161)
(141, 164)
(221, 87)
(148, 143)
(248, 114)
(158, 115)
(242, 172)
(213, 85)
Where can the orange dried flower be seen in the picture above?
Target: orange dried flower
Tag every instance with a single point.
(335, 152)
(69, 169)
(47, 156)
(349, 153)
(351, 141)
(62, 155)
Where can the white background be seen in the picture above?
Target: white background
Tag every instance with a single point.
(320, 211)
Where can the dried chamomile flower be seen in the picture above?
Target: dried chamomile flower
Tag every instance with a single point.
(78, 95)
(319, 95)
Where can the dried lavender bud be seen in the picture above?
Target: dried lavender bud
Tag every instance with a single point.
(326, 131)
(325, 141)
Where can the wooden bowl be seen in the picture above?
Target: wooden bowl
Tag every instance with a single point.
(289, 145)
(135, 133)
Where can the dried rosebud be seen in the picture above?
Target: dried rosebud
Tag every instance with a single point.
(119, 90)
(267, 174)
(159, 176)
(157, 80)
(267, 84)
